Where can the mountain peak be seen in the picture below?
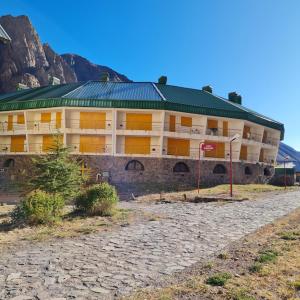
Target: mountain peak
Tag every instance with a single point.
(26, 60)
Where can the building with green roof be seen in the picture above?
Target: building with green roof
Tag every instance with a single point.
(140, 131)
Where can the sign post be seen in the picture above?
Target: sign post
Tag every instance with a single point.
(204, 147)
(234, 138)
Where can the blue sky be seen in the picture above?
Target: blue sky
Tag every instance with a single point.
(248, 46)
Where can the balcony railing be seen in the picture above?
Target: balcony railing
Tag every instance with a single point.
(138, 149)
(221, 132)
(194, 129)
(41, 126)
(15, 148)
(147, 126)
(267, 160)
(90, 148)
(251, 157)
(11, 127)
(89, 124)
(270, 141)
(252, 136)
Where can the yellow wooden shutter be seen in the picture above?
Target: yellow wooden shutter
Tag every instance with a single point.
(244, 153)
(10, 122)
(225, 128)
(49, 142)
(212, 123)
(218, 152)
(178, 147)
(137, 145)
(58, 119)
(172, 124)
(46, 117)
(186, 121)
(138, 121)
(92, 144)
(20, 119)
(17, 143)
(265, 136)
(92, 120)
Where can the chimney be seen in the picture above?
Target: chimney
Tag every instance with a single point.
(207, 88)
(235, 98)
(162, 80)
(53, 80)
(104, 77)
(21, 86)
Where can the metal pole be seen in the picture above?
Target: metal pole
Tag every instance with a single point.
(230, 170)
(284, 174)
(199, 167)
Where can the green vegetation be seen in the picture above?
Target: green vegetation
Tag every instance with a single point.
(267, 256)
(56, 172)
(38, 207)
(98, 199)
(290, 235)
(219, 279)
(256, 267)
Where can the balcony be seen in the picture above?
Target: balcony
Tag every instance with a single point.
(38, 126)
(249, 136)
(13, 148)
(11, 127)
(270, 141)
(90, 148)
(146, 149)
(139, 125)
(221, 132)
(89, 124)
(194, 129)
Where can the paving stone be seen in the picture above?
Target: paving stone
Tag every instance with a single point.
(137, 255)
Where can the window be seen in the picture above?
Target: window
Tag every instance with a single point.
(219, 169)
(134, 165)
(9, 163)
(267, 172)
(248, 171)
(181, 167)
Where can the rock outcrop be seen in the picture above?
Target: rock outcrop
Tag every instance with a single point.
(26, 60)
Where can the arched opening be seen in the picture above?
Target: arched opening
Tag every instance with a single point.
(267, 172)
(9, 163)
(134, 165)
(248, 171)
(219, 169)
(181, 167)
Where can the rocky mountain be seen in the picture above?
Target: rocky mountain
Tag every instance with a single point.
(26, 60)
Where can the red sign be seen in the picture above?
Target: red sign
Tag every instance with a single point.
(208, 147)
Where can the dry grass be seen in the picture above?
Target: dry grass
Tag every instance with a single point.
(72, 225)
(278, 277)
(241, 192)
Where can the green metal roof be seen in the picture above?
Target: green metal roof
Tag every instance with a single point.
(136, 95)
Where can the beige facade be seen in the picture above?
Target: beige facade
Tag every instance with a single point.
(136, 133)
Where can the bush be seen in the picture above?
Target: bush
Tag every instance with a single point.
(38, 207)
(218, 279)
(98, 199)
(267, 256)
(256, 267)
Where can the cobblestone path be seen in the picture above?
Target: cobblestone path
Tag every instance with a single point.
(108, 264)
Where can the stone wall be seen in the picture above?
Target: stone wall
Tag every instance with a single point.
(156, 170)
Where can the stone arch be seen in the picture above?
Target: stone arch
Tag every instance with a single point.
(134, 165)
(267, 172)
(219, 169)
(248, 170)
(181, 167)
(9, 163)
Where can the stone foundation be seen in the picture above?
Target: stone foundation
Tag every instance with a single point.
(156, 170)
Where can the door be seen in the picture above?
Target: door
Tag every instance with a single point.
(225, 128)
(137, 145)
(17, 143)
(10, 122)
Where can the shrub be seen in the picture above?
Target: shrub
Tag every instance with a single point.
(38, 207)
(267, 256)
(219, 279)
(256, 267)
(290, 235)
(98, 199)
